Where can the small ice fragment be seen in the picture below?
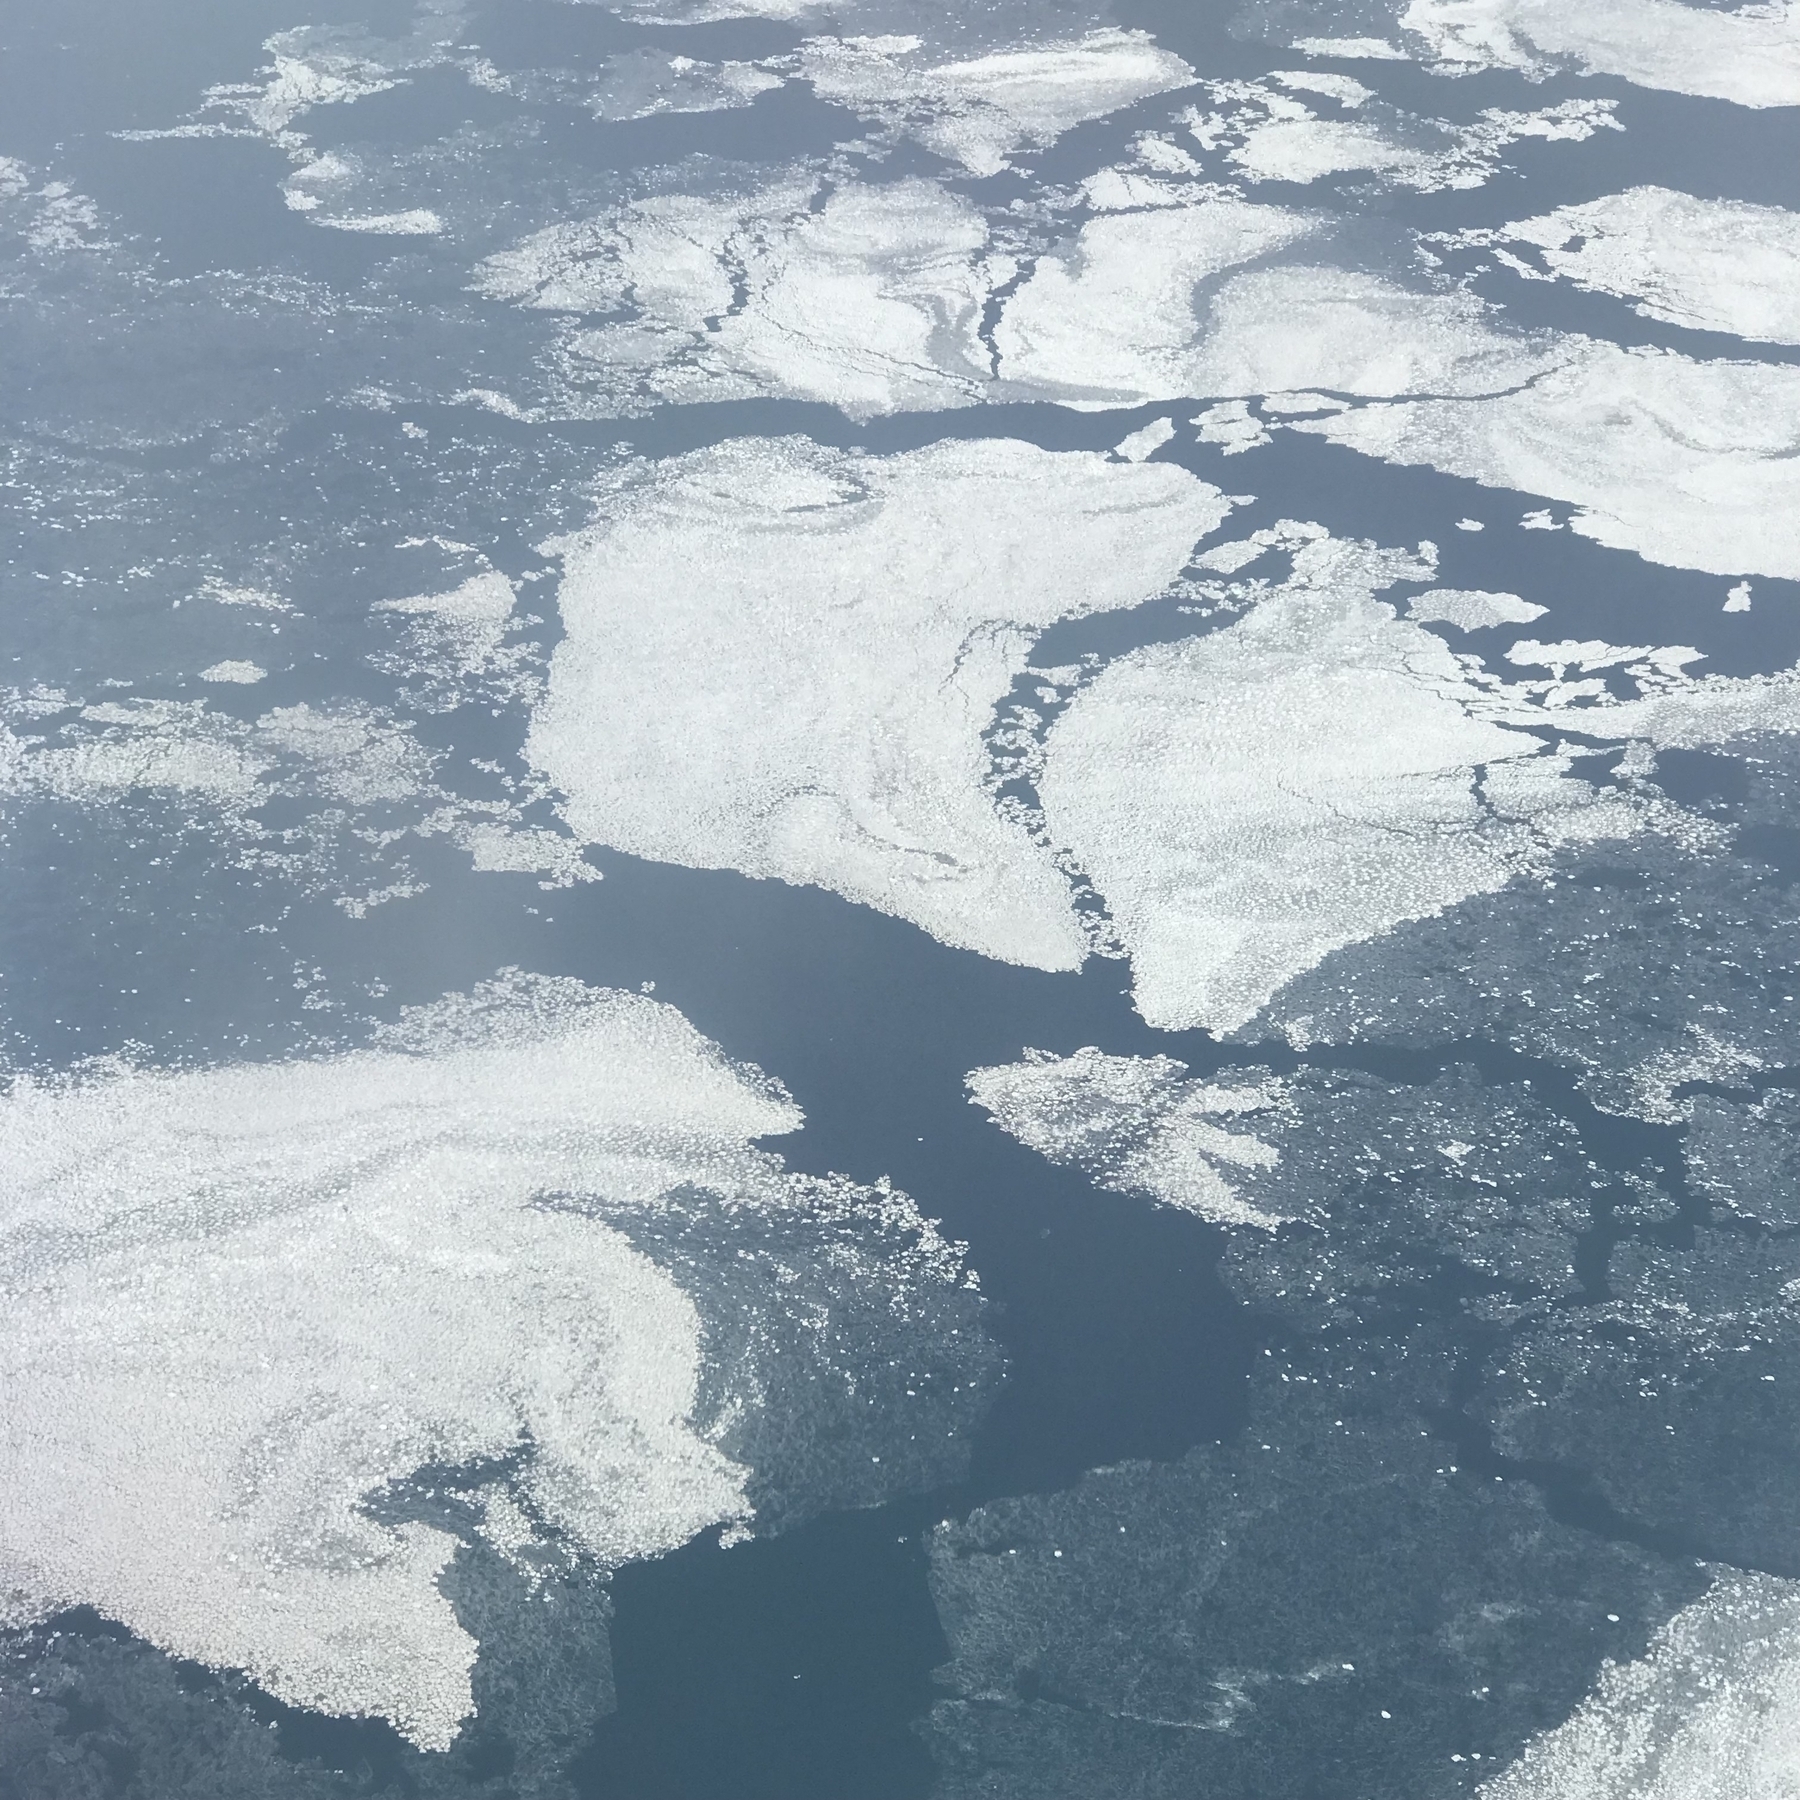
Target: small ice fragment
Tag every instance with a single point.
(1146, 440)
(1539, 521)
(1738, 600)
(247, 672)
(1470, 525)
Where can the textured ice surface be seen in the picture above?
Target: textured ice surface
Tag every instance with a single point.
(120, 748)
(1397, 1192)
(1363, 1189)
(1253, 799)
(1472, 609)
(1269, 133)
(782, 659)
(1137, 1126)
(1677, 1397)
(1750, 55)
(1744, 1156)
(1642, 966)
(1715, 265)
(244, 1302)
(1111, 320)
(983, 111)
(1712, 1712)
(1324, 1597)
(643, 83)
(1335, 331)
(1693, 464)
(865, 297)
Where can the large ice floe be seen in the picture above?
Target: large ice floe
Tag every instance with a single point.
(1629, 965)
(982, 111)
(867, 297)
(1712, 1712)
(878, 298)
(783, 659)
(1304, 778)
(1685, 462)
(528, 1229)
(1714, 265)
(1359, 1189)
(1750, 54)
(1270, 130)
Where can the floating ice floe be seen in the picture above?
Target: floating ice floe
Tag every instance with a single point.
(1249, 800)
(1268, 133)
(1163, 1620)
(982, 111)
(1674, 1395)
(1691, 464)
(783, 659)
(1750, 55)
(1744, 1155)
(1359, 1188)
(1110, 319)
(868, 298)
(1714, 265)
(1137, 1125)
(1471, 609)
(879, 299)
(1712, 1712)
(242, 1304)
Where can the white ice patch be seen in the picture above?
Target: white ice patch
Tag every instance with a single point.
(242, 1302)
(1231, 426)
(1711, 1712)
(1321, 331)
(506, 849)
(1136, 1125)
(1111, 321)
(1250, 800)
(1270, 135)
(782, 659)
(243, 673)
(1750, 55)
(1145, 441)
(1472, 609)
(866, 298)
(1350, 49)
(1713, 265)
(1691, 464)
(984, 111)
